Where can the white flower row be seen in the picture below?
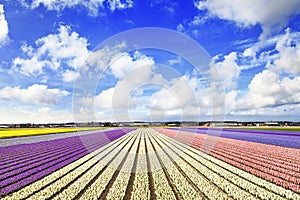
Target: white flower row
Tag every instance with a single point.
(71, 191)
(37, 185)
(141, 161)
(206, 169)
(95, 190)
(118, 189)
(141, 183)
(97, 187)
(253, 184)
(185, 190)
(204, 185)
(161, 186)
(141, 187)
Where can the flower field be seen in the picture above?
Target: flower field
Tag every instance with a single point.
(273, 137)
(149, 164)
(21, 165)
(8, 133)
(276, 164)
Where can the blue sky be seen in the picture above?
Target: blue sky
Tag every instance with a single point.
(46, 45)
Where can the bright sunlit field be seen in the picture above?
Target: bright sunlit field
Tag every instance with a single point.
(8, 133)
(297, 128)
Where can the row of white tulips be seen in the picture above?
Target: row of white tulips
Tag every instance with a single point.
(95, 190)
(71, 191)
(141, 183)
(141, 187)
(118, 189)
(205, 186)
(97, 187)
(253, 184)
(57, 175)
(211, 190)
(161, 186)
(184, 188)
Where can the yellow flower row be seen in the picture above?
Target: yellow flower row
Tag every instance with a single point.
(8, 133)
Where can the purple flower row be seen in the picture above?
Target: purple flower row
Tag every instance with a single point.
(19, 151)
(42, 160)
(279, 138)
(26, 171)
(37, 155)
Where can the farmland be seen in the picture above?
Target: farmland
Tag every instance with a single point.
(149, 163)
(9, 132)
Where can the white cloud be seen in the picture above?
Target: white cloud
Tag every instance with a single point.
(118, 5)
(279, 52)
(274, 87)
(132, 72)
(70, 76)
(178, 60)
(169, 7)
(45, 110)
(100, 59)
(180, 28)
(104, 99)
(3, 27)
(94, 7)
(177, 94)
(39, 94)
(123, 63)
(136, 74)
(289, 55)
(228, 70)
(30, 66)
(267, 90)
(198, 20)
(272, 16)
(132, 81)
(250, 52)
(52, 52)
(25, 114)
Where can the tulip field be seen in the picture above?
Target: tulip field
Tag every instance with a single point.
(21, 132)
(154, 163)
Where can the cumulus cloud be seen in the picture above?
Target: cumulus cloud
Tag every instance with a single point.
(53, 51)
(123, 63)
(272, 17)
(70, 76)
(289, 55)
(100, 59)
(228, 70)
(39, 94)
(142, 87)
(32, 66)
(267, 90)
(177, 94)
(130, 71)
(277, 85)
(104, 99)
(3, 27)
(121, 93)
(94, 7)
